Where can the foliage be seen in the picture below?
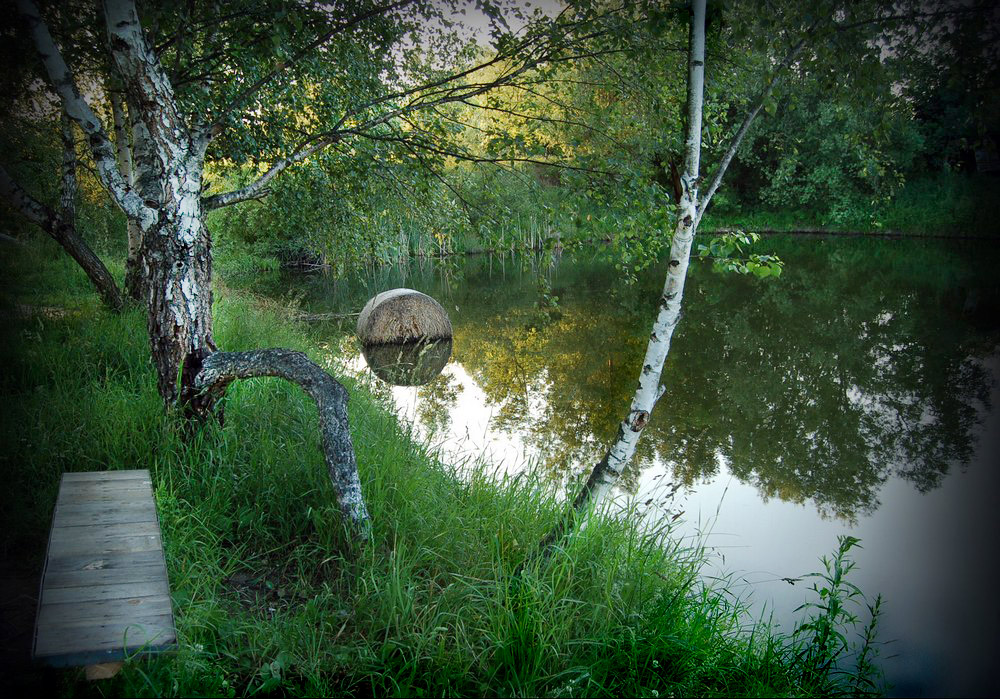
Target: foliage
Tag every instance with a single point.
(946, 203)
(567, 151)
(31, 155)
(727, 254)
(955, 91)
(836, 157)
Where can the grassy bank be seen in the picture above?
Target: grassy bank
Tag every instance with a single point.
(947, 205)
(265, 595)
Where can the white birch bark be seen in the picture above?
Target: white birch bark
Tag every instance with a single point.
(176, 260)
(607, 472)
(122, 145)
(77, 108)
(146, 80)
(68, 185)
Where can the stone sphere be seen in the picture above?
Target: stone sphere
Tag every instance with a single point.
(400, 316)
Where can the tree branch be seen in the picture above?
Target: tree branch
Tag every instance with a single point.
(425, 96)
(548, 120)
(281, 66)
(121, 134)
(221, 368)
(737, 139)
(258, 189)
(76, 108)
(468, 157)
(63, 231)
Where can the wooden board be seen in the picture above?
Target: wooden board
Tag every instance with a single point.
(104, 593)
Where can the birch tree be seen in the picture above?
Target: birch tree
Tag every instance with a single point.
(609, 469)
(814, 35)
(167, 116)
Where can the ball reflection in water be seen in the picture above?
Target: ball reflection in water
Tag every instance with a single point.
(409, 363)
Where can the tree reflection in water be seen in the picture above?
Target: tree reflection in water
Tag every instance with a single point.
(864, 360)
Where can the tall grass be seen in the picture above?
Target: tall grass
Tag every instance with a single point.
(268, 598)
(946, 204)
(943, 204)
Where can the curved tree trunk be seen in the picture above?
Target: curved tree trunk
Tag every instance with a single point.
(170, 260)
(221, 368)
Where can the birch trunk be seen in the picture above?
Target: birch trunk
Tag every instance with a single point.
(175, 248)
(125, 147)
(159, 189)
(177, 275)
(122, 145)
(610, 468)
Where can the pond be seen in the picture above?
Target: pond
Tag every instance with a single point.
(853, 395)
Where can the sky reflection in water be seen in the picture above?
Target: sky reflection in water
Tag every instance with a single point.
(852, 395)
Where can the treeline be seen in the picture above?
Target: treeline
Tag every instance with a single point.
(894, 137)
(589, 151)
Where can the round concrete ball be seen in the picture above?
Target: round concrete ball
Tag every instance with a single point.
(402, 315)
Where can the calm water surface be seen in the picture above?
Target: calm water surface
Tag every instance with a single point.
(854, 395)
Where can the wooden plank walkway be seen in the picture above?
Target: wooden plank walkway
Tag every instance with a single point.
(104, 591)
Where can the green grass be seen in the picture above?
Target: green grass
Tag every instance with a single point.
(947, 204)
(267, 597)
